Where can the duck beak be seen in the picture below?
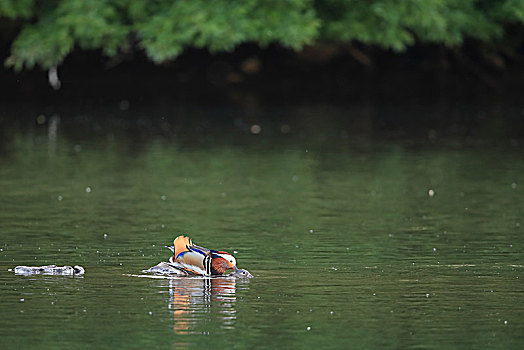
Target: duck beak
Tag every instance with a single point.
(170, 247)
(232, 266)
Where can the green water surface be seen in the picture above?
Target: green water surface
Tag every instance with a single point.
(354, 244)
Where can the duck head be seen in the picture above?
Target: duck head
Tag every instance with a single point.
(222, 261)
(240, 273)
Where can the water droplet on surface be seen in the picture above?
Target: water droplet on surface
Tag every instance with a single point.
(311, 231)
(235, 251)
(150, 313)
(163, 197)
(331, 312)
(308, 328)
(514, 185)
(88, 189)
(22, 299)
(255, 129)
(431, 193)
(294, 178)
(505, 322)
(60, 198)
(434, 249)
(105, 235)
(427, 295)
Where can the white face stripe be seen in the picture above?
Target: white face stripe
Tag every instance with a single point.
(229, 258)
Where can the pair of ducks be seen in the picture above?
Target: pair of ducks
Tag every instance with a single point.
(190, 259)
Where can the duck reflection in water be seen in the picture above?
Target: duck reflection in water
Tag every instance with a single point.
(196, 302)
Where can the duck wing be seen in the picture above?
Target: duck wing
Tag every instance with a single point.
(190, 257)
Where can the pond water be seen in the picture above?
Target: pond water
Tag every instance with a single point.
(357, 238)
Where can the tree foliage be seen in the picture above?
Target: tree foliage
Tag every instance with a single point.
(49, 30)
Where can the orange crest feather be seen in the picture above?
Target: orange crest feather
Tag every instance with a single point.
(181, 243)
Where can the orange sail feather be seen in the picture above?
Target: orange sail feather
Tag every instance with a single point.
(181, 243)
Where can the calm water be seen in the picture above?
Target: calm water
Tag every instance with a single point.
(348, 247)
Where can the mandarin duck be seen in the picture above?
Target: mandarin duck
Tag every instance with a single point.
(195, 260)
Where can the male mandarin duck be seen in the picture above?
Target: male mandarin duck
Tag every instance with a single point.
(196, 260)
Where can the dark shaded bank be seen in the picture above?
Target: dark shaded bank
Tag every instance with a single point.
(428, 94)
(322, 73)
